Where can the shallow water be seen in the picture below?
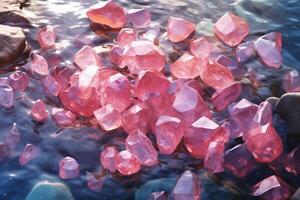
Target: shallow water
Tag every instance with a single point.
(85, 144)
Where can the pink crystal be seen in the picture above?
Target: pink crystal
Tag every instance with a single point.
(95, 184)
(87, 57)
(179, 29)
(6, 96)
(116, 56)
(214, 158)
(239, 160)
(268, 47)
(108, 118)
(139, 18)
(4, 151)
(291, 81)
(151, 33)
(231, 29)
(168, 131)
(232, 128)
(46, 37)
(272, 188)
(141, 147)
(63, 118)
(39, 66)
(13, 137)
(142, 55)
(292, 162)
(51, 86)
(126, 36)
(222, 98)
(201, 133)
(201, 48)
(187, 187)
(18, 80)
(68, 168)
(38, 111)
(245, 51)
(29, 153)
(108, 158)
(263, 115)
(127, 164)
(62, 76)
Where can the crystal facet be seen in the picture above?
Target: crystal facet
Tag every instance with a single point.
(127, 164)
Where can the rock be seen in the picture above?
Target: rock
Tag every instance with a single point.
(272, 101)
(288, 107)
(296, 195)
(50, 191)
(12, 43)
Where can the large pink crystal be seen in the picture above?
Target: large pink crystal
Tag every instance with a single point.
(231, 29)
(39, 66)
(141, 147)
(127, 164)
(108, 118)
(18, 80)
(6, 96)
(87, 57)
(292, 162)
(108, 13)
(201, 48)
(13, 137)
(38, 111)
(214, 158)
(51, 86)
(29, 153)
(139, 18)
(179, 29)
(63, 118)
(108, 158)
(187, 187)
(68, 168)
(46, 37)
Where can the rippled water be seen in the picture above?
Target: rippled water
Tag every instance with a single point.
(84, 144)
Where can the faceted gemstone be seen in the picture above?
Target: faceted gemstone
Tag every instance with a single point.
(201, 48)
(245, 51)
(137, 116)
(38, 111)
(142, 55)
(108, 158)
(231, 29)
(18, 80)
(127, 164)
(39, 66)
(4, 151)
(214, 158)
(6, 96)
(115, 90)
(116, 56)
(141, 147)
(46, 37)
(68, 168)
(63, 118)
(29, 153)
(239, 160)
(107, 13)
(126, 36)
(268, 47)
(168, 131)
(272, 188)
(292, 162)
(264, 143)
(87, 57)
(187, 66)
(190, 105)
(108, 118)
(291, 81)
(139, 18)
(179, 29)
(222, 98)
(51, 86)
(216, 75)
(201, 133)
(13, 137)
(95, 184)
(187, 187)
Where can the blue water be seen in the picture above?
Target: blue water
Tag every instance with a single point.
(85, 144)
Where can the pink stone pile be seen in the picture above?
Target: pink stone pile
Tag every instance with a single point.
(135, 92)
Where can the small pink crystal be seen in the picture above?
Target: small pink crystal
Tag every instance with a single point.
(108, 13)
(179, 29)
(214, 158)
(291, 81)
(292, 162)
(141, 147)
(38, 111)
(245, 51)
(18, 80)
(108, 118)
(6, 96)
(87, 57)
(108, 158)
(201, 48)
(127, 164)
(63, 118)
(13, 137)
(39, 66)
(116, 56)
(139, 18)
(95, 184)
(62, 76)
(4, 151)
(51, 86)
(231, 29)
(46, 37)
(68, 168)
(126, 36)
(29, 153)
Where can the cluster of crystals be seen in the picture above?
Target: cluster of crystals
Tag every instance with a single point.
(175, 109)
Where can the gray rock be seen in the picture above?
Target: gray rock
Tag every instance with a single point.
(273, 101)
(50, 191)
(296, 195)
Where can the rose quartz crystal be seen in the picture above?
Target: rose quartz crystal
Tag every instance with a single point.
(68, 168)
(29, 153)
(231, 29)
(291, 81)
(214, 158)
(13, 137)
(6, 96)
(46, 37)
(201, 48)
(116, 56)
(38, 111)
(139, 18)
(19, 80)
(108, 158)
(126, 36)
(87, 57)
(292, 162)
(179, 29)
(51, 86)
(39, 66)
(127, 164)
(107, 13)
(63, 118)
(4, 151)
(245, 51)
(95, 184)
(108, 118)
